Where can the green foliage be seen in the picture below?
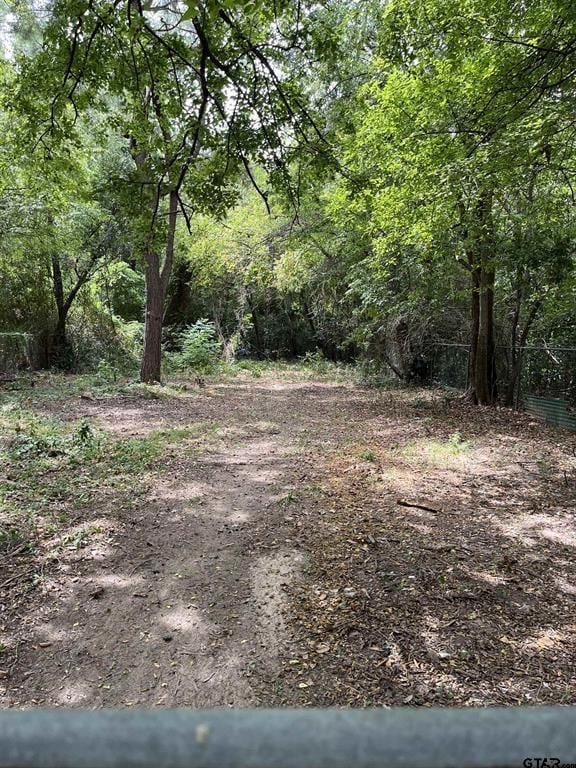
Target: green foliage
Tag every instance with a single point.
(456, 444)
(15, 351)
(439, 453)
(254, 368)
(317, 362)
(10, 539)
(374, 373)
(199, 347)
(55, 472)
(36, 438)
(245, 103)
(344, 173)
(120, 288)
(106, 373)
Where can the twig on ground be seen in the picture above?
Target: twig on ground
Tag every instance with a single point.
(417, 506)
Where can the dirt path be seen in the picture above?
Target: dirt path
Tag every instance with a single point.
(266, 561)
(180, 600)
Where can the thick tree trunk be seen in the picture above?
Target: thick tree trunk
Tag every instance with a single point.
(157, 279)
(474, 327)
(60, 356)
(481, 362)
(151, 367)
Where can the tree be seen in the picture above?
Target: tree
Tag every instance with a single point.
(199, 95)
(458, 116)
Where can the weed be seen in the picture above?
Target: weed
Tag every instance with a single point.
(53, 471)
(254, 367)
(199, 347)
(375, 374)
(289, 498)
(545, 467)
(106, 373)
(10, 538)
(79, 539)
(437, 452)
(317, 362)
(457, 445)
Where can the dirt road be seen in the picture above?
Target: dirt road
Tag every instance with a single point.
(264, 559)
(179, 600)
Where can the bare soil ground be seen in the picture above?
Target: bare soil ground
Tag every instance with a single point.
(295, 542)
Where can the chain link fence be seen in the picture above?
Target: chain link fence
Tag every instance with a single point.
(450, 365)
(549, 372)
(546, 385)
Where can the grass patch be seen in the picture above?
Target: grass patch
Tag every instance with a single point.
(52, 472)
(289, 498)
(312, 367)
(156, 391)
(256, 368)
(37, 388)
(438, 452)
(10, 539)
(28, 390)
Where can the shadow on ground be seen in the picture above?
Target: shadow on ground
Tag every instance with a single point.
(269, 562)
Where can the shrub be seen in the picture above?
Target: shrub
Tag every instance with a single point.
(15, 351)
(199, 347)
(316, 361)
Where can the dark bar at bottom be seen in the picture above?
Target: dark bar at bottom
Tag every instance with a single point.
(515, 737)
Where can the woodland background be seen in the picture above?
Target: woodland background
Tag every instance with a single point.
(351, 181)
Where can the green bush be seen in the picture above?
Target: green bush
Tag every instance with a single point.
(253, 367)
(316, 361)
(375, 373)
(97, 338)
(15, 351)
(199, 347)
(36, 438)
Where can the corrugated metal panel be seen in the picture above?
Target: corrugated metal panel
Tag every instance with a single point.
(557, 412)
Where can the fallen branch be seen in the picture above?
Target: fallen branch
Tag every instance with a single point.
(416, 506)
(13, 578)
(16, 551)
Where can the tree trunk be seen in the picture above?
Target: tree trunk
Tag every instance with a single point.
(151, 367)
(484, 373)
(481, 362)
(518, 356)
(157, 280)
(257, 329)
(474, 327)
(60, 353)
